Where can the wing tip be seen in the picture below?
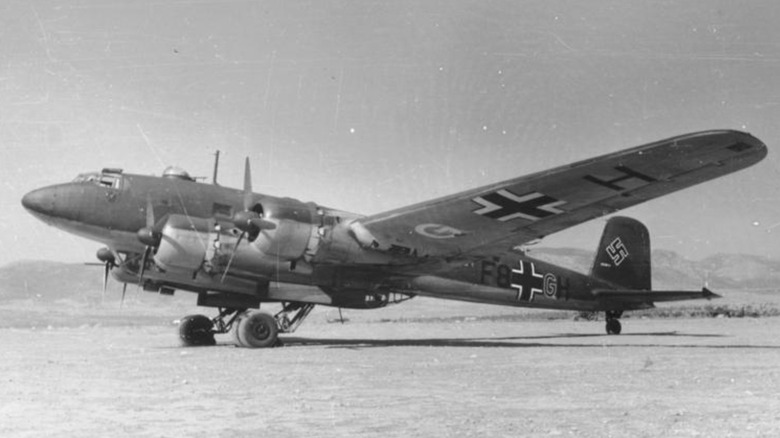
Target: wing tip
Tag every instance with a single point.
(708, 294)
(748, 149)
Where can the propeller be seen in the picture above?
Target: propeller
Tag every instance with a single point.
(109, 262)
(108, 259)
(250, 222)
(149, 236)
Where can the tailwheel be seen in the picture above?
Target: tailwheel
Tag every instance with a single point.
(613, 323)
(196, 330)
(256, 330)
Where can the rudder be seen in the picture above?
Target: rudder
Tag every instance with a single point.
(623, 256)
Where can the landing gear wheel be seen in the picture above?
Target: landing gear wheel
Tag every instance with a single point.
(256, 330)
(196, 330)
(613, 326)
(236, 324)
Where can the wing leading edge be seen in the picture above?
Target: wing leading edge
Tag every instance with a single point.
(500, 216)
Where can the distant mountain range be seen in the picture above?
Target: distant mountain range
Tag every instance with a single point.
(43, 281)
(73, 284)
(47, 281)
(672, 271)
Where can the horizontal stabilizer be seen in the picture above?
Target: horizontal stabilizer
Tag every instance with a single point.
(644, 296)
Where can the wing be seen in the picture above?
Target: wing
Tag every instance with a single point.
(510, 213)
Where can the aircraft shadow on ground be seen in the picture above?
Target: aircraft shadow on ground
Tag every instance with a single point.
(516, 342)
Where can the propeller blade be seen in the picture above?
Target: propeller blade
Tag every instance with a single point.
(149, 213)
(144, 260)
(124, 290)
(106, 271)
(263, 224)
(247, 185)
(230, 261)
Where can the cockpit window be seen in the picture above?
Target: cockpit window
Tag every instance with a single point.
(104, 180)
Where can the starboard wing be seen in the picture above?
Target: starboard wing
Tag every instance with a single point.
(500, 216)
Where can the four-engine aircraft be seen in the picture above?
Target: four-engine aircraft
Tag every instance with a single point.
(226, 245)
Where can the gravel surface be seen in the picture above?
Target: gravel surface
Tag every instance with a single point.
(686, 377)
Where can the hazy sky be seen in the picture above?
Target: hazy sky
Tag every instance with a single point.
(371, 105)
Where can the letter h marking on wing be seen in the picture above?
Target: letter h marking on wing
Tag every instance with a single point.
(626, 174)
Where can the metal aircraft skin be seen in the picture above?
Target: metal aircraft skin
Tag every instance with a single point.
(226, 245)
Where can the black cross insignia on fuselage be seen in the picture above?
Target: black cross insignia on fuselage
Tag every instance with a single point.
(527, 281)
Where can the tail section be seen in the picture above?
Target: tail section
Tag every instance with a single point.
(623, 256)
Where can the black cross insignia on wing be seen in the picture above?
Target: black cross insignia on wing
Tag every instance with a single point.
(505, 206)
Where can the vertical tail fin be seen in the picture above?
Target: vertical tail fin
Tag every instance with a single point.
(623, 256)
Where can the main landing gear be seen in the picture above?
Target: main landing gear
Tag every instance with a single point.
(613, 324)
(251, 329)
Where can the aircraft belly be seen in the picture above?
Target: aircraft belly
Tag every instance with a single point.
(300, 293)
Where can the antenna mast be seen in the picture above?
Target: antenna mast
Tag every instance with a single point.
(216, 168)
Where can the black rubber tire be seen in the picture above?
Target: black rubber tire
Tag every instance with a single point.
(613, 327)
(196, 331)
(257, 330)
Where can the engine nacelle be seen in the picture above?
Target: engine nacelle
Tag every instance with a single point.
(296, 231)
(184, 242)
(189, 244)
(288, 241)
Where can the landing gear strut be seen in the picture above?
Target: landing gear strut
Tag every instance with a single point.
(287, 324)
(613, 324)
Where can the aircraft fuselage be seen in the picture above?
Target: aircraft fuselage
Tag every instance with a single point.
(311, 245)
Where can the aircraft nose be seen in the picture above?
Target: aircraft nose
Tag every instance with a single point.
(40, 201)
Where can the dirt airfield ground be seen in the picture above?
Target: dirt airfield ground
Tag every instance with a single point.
(435, 374)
